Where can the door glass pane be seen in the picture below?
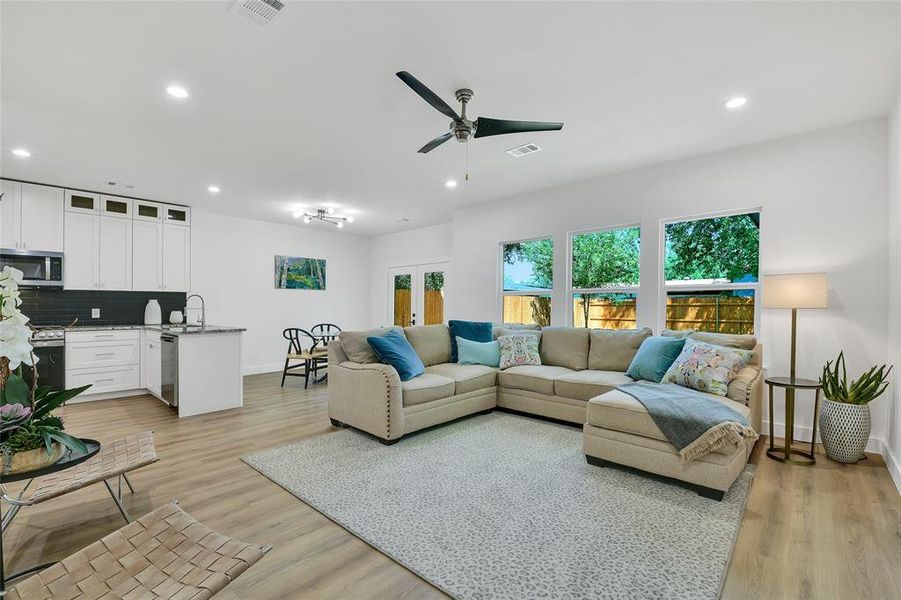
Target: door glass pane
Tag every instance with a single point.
(84, 202)
(433, 295)
(719, 312)
(403, 300)
(528, 310)
(175, 214)
(115, 206)
(145, 210)
(605, 311)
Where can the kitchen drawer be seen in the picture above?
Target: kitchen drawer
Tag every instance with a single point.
(103, 336)
(106, 379)
(86, 355)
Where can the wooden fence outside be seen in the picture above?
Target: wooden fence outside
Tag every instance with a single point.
(434, 308)
(602, 314)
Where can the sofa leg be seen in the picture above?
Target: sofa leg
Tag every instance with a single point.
(598, 462)
(711, 493)
(337, 423)
(388, 442)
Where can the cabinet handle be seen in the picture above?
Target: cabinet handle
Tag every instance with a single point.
(106, 379)
(105, 354)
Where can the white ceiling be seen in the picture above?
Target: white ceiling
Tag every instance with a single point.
(308, 110)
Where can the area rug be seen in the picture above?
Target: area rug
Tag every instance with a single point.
(503, 506)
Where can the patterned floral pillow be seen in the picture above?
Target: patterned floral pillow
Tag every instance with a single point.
(519, 349)
(707, 367)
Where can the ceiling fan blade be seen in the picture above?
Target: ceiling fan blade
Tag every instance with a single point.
(436, 142)
(486, 127)
(428, 95)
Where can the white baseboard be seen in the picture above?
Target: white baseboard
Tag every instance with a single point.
(802, 434)
(108, 396)
(894, 467)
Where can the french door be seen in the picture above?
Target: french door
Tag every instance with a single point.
(416, 294)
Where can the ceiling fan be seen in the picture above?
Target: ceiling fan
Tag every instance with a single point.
(461, 127)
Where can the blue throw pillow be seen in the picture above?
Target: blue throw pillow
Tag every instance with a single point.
(394, 349)
(478, 353)
(654, 357)
(468, 330)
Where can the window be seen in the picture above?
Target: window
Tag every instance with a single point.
(710, 272)
(605, 274)
(528, 271)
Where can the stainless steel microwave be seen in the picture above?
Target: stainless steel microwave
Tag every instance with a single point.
(39, 269)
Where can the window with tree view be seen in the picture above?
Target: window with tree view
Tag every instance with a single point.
(711, 273)
(528, 270)
(605, 274)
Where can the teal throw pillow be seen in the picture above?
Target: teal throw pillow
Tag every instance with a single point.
(394, 349)
(478, 353)
(655, 355)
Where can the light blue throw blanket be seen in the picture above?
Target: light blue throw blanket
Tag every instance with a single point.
(693, 422)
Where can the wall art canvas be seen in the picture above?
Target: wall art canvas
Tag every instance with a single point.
(293, 273)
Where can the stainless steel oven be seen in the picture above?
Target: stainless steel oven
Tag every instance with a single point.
(43, 269)
(50, 349)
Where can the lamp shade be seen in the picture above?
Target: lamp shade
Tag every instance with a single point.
(795, 290)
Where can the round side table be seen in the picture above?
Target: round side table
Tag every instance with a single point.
(788, 453)
(69, 459)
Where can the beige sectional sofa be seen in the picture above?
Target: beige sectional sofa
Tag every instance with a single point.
(576, 382)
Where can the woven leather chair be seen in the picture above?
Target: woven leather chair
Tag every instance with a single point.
(115, 460)
(164, 554)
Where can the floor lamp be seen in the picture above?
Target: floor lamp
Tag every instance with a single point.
(794, 291)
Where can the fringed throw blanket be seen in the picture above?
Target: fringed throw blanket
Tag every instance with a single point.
(693, 422)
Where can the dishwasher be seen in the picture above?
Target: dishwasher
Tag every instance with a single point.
(169, 369)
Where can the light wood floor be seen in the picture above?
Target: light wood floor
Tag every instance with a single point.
(831, 531)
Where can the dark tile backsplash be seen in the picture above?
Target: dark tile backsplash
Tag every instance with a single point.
(60, 307)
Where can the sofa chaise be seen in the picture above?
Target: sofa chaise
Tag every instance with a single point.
(575, 383)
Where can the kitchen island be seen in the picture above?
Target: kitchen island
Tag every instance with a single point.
(194, 369)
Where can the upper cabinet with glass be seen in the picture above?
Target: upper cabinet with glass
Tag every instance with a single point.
(115, 206)
(178, 215)
(148, 211)
(83, 202)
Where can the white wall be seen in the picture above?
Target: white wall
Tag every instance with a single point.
(893, 440)
(232, 267)
(824, 208)
(416, 246)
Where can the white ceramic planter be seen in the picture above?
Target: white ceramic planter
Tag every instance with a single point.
(845, 430)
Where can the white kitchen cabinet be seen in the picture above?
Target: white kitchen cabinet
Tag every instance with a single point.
(176, 215)
(147, 255)
(115, 253)
(151, 372)
(82, 267)
(83, 202)
(176, 258)
(147, 211)
(10, 221)
(109, 361)
(32, 218)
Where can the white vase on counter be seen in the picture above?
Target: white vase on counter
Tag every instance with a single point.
(152, 313)
(175, 317)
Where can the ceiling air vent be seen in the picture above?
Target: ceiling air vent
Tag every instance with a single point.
(523, 150)
(259, 11)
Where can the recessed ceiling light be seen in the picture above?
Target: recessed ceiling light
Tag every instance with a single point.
(177, 91)
(213, 189)
(736, 102)
(450, 183)
(21, 152)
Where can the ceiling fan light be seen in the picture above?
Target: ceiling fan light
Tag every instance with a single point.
(330, 210)
(339, 224)
(349, 219)
(307, 219)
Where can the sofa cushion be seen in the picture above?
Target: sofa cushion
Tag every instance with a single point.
(467, 378)
(614, 349)
(584, 385)
(394, 349)
(357, 348)
(532, 378)
(729, 340)
(517, 350)
(431, 342)
(619, 411)
(427, 387)
(707, 367)
(654, 357)
(565, 347)
(476, 331)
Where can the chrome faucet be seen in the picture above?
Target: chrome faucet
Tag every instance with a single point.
(202, 309)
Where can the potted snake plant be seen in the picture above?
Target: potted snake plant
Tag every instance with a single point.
(31, 436)
(845, 414)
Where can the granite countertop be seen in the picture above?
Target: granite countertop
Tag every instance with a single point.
(173, 329)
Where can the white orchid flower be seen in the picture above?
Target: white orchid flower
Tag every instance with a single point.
(15, 343)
